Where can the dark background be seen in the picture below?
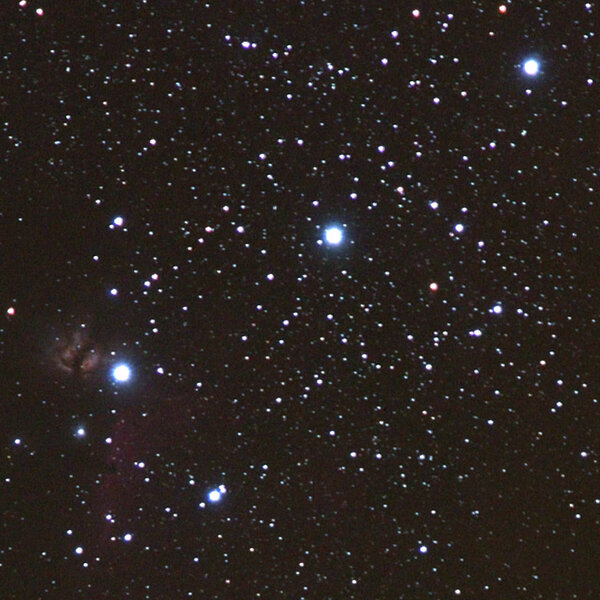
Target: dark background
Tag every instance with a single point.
(353, 414)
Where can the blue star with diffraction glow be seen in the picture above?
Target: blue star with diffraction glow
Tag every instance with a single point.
(333, 235)
(531, 67)
(121, 373)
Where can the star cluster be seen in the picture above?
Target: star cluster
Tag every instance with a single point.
(299, 300)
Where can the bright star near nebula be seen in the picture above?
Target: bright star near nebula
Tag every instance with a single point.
(531, 67)
(121, 373)
(333, 235)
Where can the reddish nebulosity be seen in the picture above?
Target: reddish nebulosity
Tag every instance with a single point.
(76, 353)
(131, 460)
(118, 488)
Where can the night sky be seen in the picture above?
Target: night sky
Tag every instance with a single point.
(299, 300)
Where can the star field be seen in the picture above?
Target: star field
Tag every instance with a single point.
(299, 300)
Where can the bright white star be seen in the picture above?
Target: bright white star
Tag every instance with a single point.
(531, 67)
(215, 495)
(333, 235)
(121, 373)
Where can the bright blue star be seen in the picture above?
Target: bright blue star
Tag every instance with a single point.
(215, 495)
(531, 67)
(121, 373)
(333, 235)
